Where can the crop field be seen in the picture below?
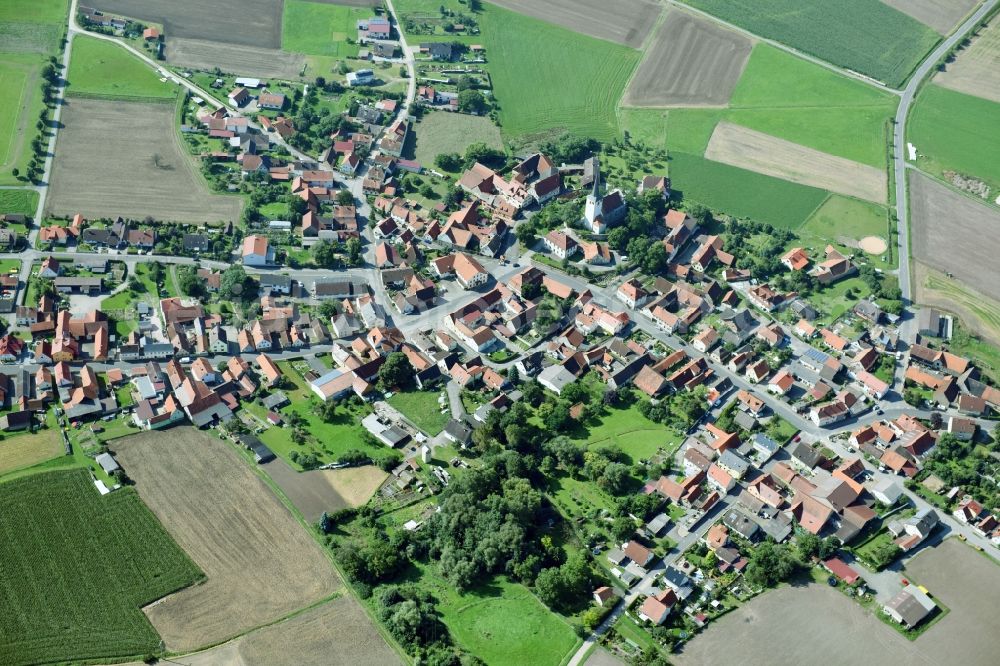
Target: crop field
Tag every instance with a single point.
(27, 449)
(743, 193)
(979, 313)
(756, 151)
(948, 230)
(445, 132)
(260, 563)
(77, 567)
(19, 201)
(233, 58)
(866, 36)
(337, 633)
(692, 61)
(548, 78)
(626, 22)
(975, 70)
(254, 23)
(316, 28)
(154, 176)
(315, 491)
(941, 15)
(103, 69)
(957, 132)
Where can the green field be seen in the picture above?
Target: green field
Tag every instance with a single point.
(957, 132)
(866, 36)
(103, 69)
(19, 201)
(743, 193)
(630, 431)
(422, 409)
(320, 29)
(546, 78)
(78, 567)
(18, 451)
(33, 11)
(502, 622)
(443, 132)
(646, 125)
(842, 217)
(13, 91)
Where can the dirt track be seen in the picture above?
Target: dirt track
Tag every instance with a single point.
(259, 562)
(626, 22)
(123, 158)
(234, 58)
(250, 22)
(953, 233)
(756, 151)
(691, 62)
(941, 15)
(975, 70)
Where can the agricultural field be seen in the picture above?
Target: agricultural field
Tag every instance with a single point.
(865, 36)
(748, 149)
(979, 313)
(953, 133)
(157, 167)
(422, 409)
(254, 23)
(692, 61)
(315, 491)
(337, 633)
(103, 69)
(743, 193)
(444, 132)
(548, 78)
(626, 22)
(74, 579)
(27, 449)
(948, 229)
(974, 71)
(259, 573)
(24, 202)
(941, 15)
(322, 29)
(233, 58)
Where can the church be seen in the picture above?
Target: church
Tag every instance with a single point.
(603, 211)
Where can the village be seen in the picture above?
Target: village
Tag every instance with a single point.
(758, 422)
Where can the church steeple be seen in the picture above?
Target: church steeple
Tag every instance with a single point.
(595, 188)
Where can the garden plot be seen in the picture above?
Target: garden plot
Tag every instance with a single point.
(626, 22)
(692, 62)
(756, 151)
(260, 563)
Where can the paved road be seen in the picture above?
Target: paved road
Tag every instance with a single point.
(411, 88)
(907, 328)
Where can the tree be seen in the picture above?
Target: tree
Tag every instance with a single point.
(324, 254)
(353, 246)
(513, 376)
(472, 101)
(913, 397)
(345, 198)
(327, 309)
(397, 371)
(480, 152)
(236, 285)
(448, 161)
(770, 564)
(189, 282)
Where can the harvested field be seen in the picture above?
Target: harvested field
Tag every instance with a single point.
(26, 449)
(626, 22)
(259, 561)
(338, 633)
(140, 168)
(233, 58)
(692, 62)
(756, 151)
(975, 70)
(316, 491)
(942, 15)
(948, 231)
(249, 22)
(979, 313)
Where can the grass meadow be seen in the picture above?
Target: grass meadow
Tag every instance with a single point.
(628, 430)
(33, 11)
(866, 36)
(957, 132)
(444, 132)
(102, 69)
(841, 216)
(547, 78)
(19, 201)
(320, 29)
(422, 409)
(79, 570)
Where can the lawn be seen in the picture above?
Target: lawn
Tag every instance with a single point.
(80, 569)
(743, 193)
(20, 106)
(866, 36)
(320, 29)
(832, 301)
(841, 216)
(422, 409)
(13, 89)
(443, 132)
(104, 69)
(627, 429)
(502, 622)
(957, 132)
(24, 202)
(18, 451)
(547, 78)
